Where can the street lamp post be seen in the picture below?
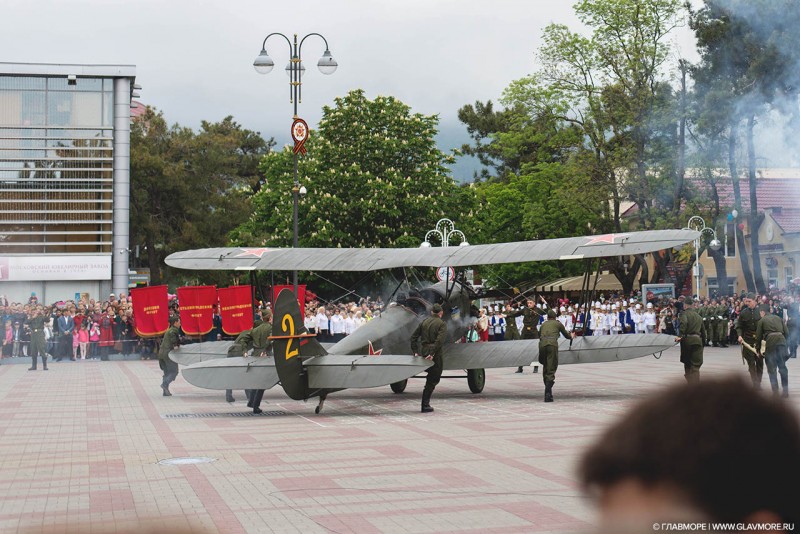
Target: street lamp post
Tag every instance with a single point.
(444, 229)
(699, 224)
(295, 70)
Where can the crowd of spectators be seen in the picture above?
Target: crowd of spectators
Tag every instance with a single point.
(86, 329)
(94, 329)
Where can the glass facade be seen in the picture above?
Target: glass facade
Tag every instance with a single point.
(56, 158)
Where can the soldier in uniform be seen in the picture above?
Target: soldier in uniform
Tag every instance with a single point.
(241, 345)
(793, 325)
(530, 321)
(262, 347)
(548, 351)
(702, 311)
(712, 326)
(723, 317)
(38, 344)
(772, 329)
(171, 341)
(428, 341)
(693, 333)
(512, 332)
(746, 326)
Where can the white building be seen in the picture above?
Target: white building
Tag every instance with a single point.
(64, 179)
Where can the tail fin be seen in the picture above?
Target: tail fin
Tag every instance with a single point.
(290, 347)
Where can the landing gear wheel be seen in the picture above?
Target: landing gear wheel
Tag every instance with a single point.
(476, 379)
(399, 387)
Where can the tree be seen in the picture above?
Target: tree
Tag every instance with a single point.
(750, 51)
(188, 190)
(374, 176)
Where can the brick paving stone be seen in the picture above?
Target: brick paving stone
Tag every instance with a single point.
(80, 446)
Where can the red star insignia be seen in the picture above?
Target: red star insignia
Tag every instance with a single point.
(608, 238)
(373, 352)
(257, 252)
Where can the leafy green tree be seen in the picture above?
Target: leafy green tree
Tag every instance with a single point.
(374, 176)
(188, 190)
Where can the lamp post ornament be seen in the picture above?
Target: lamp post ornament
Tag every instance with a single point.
(444, 229)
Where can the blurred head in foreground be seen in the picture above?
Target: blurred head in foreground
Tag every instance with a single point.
(713, 451)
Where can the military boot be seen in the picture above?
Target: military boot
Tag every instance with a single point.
(229, 395)
(426, 400)
(44, 362)
(548, 391)
(33, 363)
(785, 386)
(519, 369)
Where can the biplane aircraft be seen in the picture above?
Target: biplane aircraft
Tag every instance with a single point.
(377, 353)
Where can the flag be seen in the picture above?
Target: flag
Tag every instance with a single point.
(150, 310)
(196, 309)
(236, 309)
(301, 294)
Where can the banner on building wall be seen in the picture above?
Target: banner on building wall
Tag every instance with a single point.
(236, 309)
(45, 267)
(196, 309)
(150, 310)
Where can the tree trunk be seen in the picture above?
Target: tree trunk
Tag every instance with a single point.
(722, 270)
(680, 173)
(737, 204)
(755, 218)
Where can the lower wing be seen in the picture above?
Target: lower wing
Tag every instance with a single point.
(592, 349)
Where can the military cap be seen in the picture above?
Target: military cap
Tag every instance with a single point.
(174, 319)
(689, 301)
(750, 295)
(436, 308)
(764, 308)
(551, 314)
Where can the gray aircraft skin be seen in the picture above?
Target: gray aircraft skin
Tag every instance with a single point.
(378, 353)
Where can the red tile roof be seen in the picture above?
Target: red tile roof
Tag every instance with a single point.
(770, 192)
(788, 219)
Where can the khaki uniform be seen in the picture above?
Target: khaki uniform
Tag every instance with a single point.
(693, 333)
(262, 346)
(746, 326)
(530, 322)
(170, 341)
(548, 348)
(38, 344)
(772, 329)
(428, 340)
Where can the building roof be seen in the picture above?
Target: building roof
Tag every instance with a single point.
(770, 192)
(788, 219)
(66, 69)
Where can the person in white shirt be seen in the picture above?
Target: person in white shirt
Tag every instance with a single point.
(349, 324)
(650, 319)
(310, 322)
(322, 324)
(337, 327)
(638, 319)
(360, 319)
(596, 320)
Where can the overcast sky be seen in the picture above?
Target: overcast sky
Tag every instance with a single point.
(194, 58)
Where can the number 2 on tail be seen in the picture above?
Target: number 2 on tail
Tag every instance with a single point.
(287, 323)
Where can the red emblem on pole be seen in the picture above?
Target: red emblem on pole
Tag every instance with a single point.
(299, 135)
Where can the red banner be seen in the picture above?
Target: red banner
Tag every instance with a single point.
(196, 309)
(150, 310)
(301, 294)
(236, 309)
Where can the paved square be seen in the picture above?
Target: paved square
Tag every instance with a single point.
(80, 446)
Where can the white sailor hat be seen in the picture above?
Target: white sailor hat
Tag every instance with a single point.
(570, 310)
(638, 306)
(649, 305)
(562, 309)
(614, 306)
(603, 307)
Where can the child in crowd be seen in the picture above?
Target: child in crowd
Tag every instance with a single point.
(83, 338)
(94, 338)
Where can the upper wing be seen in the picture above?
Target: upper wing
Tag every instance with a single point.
(370, 259)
